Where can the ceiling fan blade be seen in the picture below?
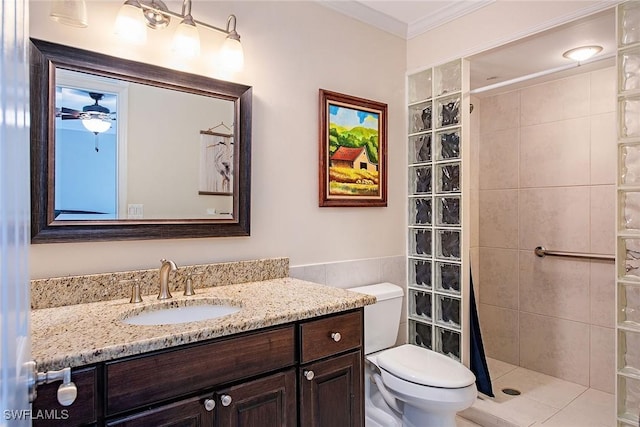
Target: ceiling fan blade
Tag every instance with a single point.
(69, 117)
(66, 110)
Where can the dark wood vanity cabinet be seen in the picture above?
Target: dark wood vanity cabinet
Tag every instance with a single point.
(330, 384)
(254, 379)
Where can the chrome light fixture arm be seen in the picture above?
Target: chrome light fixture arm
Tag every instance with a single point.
(157, 8)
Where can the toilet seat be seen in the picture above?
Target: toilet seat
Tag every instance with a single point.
(424, 367)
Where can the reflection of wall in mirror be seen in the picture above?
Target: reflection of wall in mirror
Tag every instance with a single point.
(164, 151)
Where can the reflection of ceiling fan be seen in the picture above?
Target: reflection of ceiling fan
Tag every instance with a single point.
(95, 117)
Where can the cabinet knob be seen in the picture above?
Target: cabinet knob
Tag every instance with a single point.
(209, 404)
(336, 336)
(226, 400)
(308, 375)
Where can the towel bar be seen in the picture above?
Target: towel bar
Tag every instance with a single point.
(542, 252)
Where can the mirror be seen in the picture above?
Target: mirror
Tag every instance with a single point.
(170, 157)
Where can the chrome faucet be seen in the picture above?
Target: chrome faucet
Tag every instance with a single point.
(167, 265)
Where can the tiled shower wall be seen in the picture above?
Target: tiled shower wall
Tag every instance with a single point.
(547, 165)
(348, 274)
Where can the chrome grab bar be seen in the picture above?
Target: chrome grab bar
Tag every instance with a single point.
(541, 251)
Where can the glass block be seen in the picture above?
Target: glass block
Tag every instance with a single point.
(448, 343)
(420, 180)
(448, 78)
(628, 399)
(448, 145)
(420, 86)
(629, 352)
(420, 117)
(448, 210)
(420, 334)
(420, 211)
(448, 277)
(629, 305)
(448, 178)
(448, 244)
(420, 241)
(630, 164)
(420, 148)
(448, 111)
(629, 26)
(420, 304)
(630, 209)
(629, 66)
(630, 117)
(448, 311)
(631, 252)
(420, 273)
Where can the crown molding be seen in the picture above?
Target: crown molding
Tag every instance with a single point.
(359, 11)
(444, 15)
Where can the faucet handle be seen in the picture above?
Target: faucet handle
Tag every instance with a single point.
(189, 289)
(188, 286)
(135, 291)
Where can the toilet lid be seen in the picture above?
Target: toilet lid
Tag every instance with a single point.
(421, 366)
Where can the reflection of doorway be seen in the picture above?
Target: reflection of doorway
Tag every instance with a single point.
(87, 171)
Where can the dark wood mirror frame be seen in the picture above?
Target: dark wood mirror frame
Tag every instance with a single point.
(45, 57)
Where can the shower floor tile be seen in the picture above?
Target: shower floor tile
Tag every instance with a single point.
(544, 401)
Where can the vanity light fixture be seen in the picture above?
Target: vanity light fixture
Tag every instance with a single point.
(69, 12)
(129, 23)
(134, 14)
(582, 53)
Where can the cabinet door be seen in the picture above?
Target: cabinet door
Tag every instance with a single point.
(266, 402)
(331, 392)
(185, 413)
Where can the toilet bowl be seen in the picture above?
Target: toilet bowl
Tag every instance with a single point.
(408, 385)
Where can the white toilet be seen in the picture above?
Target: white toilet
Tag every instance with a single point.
(408, 386)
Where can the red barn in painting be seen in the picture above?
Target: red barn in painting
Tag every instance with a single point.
(354, 158)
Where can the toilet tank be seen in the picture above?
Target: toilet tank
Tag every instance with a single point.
(382, 319)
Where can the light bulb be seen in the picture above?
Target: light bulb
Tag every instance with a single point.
(130, 24)
(96, 125)
(231, 54)
(186, 40)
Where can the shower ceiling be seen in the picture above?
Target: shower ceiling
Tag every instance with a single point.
(534, 54)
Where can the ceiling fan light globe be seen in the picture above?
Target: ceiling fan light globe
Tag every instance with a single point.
(186, 40)
(130, 24)
(231, 56)
(96, 125)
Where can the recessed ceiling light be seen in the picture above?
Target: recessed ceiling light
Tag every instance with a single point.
(582, 53)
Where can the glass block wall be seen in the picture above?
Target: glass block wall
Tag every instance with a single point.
(438, 248)
(628, 216)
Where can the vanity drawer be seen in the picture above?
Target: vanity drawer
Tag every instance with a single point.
(317, 339)
(150, 378)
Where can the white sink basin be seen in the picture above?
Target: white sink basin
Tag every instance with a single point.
(152, 315)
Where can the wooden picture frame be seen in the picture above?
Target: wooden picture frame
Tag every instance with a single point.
(353, 151)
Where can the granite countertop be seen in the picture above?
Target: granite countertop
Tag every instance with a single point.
(81, 334)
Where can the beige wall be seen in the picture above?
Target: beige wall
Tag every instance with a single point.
(292, 49)
(546, 178)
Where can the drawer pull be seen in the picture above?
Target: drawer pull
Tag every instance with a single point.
(336, 336)
(226, 400)
(309, 375)
(209, 404)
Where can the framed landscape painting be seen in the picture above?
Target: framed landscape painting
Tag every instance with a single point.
(353, 151)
